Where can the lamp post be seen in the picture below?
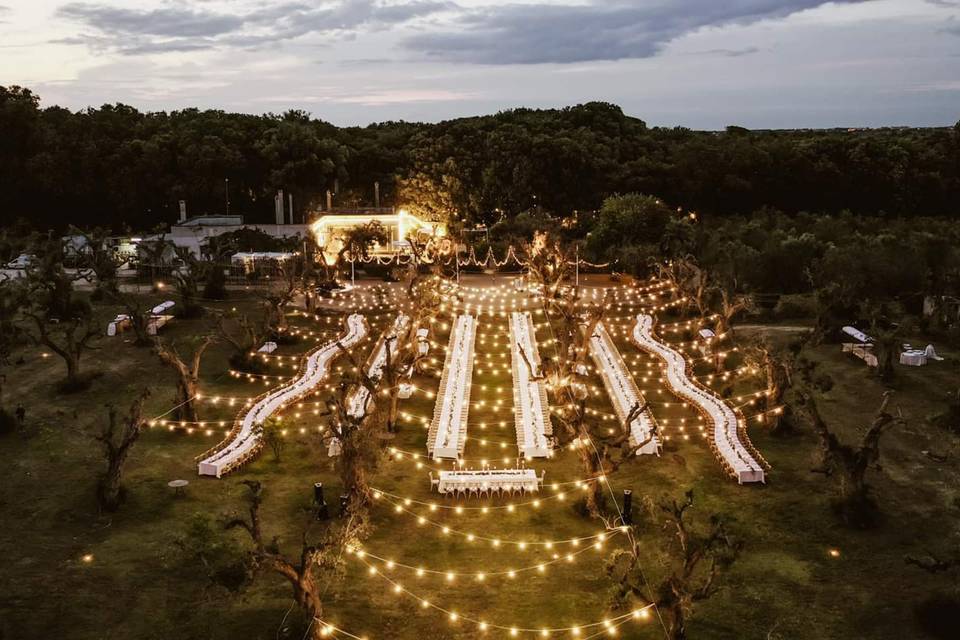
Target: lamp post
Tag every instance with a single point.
(578, 264)
(353, 272)
(226, 191)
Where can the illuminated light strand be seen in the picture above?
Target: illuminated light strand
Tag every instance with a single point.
(327, 628)
(453, 616)
(262, 376)
(461, 462)
(536, 502)
(478, 576)
(207, 426)
(496, 542)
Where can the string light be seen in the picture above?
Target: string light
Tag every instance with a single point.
(398, 507)
(492, 360)
(454, 617)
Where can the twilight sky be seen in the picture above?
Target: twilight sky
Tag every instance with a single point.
(698, 63)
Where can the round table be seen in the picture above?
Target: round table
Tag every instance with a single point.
(913, 358)
(178, 486)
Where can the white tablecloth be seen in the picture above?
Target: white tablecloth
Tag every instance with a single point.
(529, 396)
(726, 435)
(505, 479)
(914, 358)
(448, 430)
(245, 438)
(361, 396)
(623, 391)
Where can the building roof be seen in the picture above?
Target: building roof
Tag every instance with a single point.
(212, 221)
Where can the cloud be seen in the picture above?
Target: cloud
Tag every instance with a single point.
(951, 26)
(181, 27)
(730, 53)
(602, 30)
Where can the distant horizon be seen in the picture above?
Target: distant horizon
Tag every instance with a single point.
(700, 64)
(44, 104)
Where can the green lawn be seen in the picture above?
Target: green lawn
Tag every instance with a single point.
(138, 584)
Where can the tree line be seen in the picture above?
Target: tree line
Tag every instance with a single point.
(117, 166)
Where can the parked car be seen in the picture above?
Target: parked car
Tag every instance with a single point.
(328, 288)
(22, 261)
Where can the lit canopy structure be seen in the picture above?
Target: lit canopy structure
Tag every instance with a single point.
(330, 229)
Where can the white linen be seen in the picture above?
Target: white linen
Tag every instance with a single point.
(448, 430)
(725, 432)
(334, 449)
(423, 341)
(530, 408)
(361, 396)
(489, 479)
(862, 351)
(623, 391)
(268, 347)
(155, 323)
(245, 440)
(856, 334)
(121, 322)
(913, 358)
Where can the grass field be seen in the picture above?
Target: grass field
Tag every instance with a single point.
(139, 584)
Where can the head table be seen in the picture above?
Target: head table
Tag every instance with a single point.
(489, 479)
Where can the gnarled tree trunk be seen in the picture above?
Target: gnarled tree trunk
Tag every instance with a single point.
(117, 448)
(188, 377)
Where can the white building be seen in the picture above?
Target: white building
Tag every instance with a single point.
(330, 229)
(194, 233)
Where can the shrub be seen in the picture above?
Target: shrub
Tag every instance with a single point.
(8, 423)
(795, 306)
(247, 363)
(215, 285)
(580, 506)
(937, 615)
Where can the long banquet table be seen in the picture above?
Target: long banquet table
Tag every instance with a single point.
(531, 410)
(361, 395)
(733, 451)
(623, 391)
(489, 479)
(244, 441)
(448, 430)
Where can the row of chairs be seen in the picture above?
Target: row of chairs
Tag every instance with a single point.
(489, 489)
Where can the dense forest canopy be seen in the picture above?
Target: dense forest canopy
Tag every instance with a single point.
(117, 166)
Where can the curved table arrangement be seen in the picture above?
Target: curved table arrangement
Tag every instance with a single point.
(361, 396)
(244, 442)
(728, 436)
(623, 391)
(448, 430)
(530, 407)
